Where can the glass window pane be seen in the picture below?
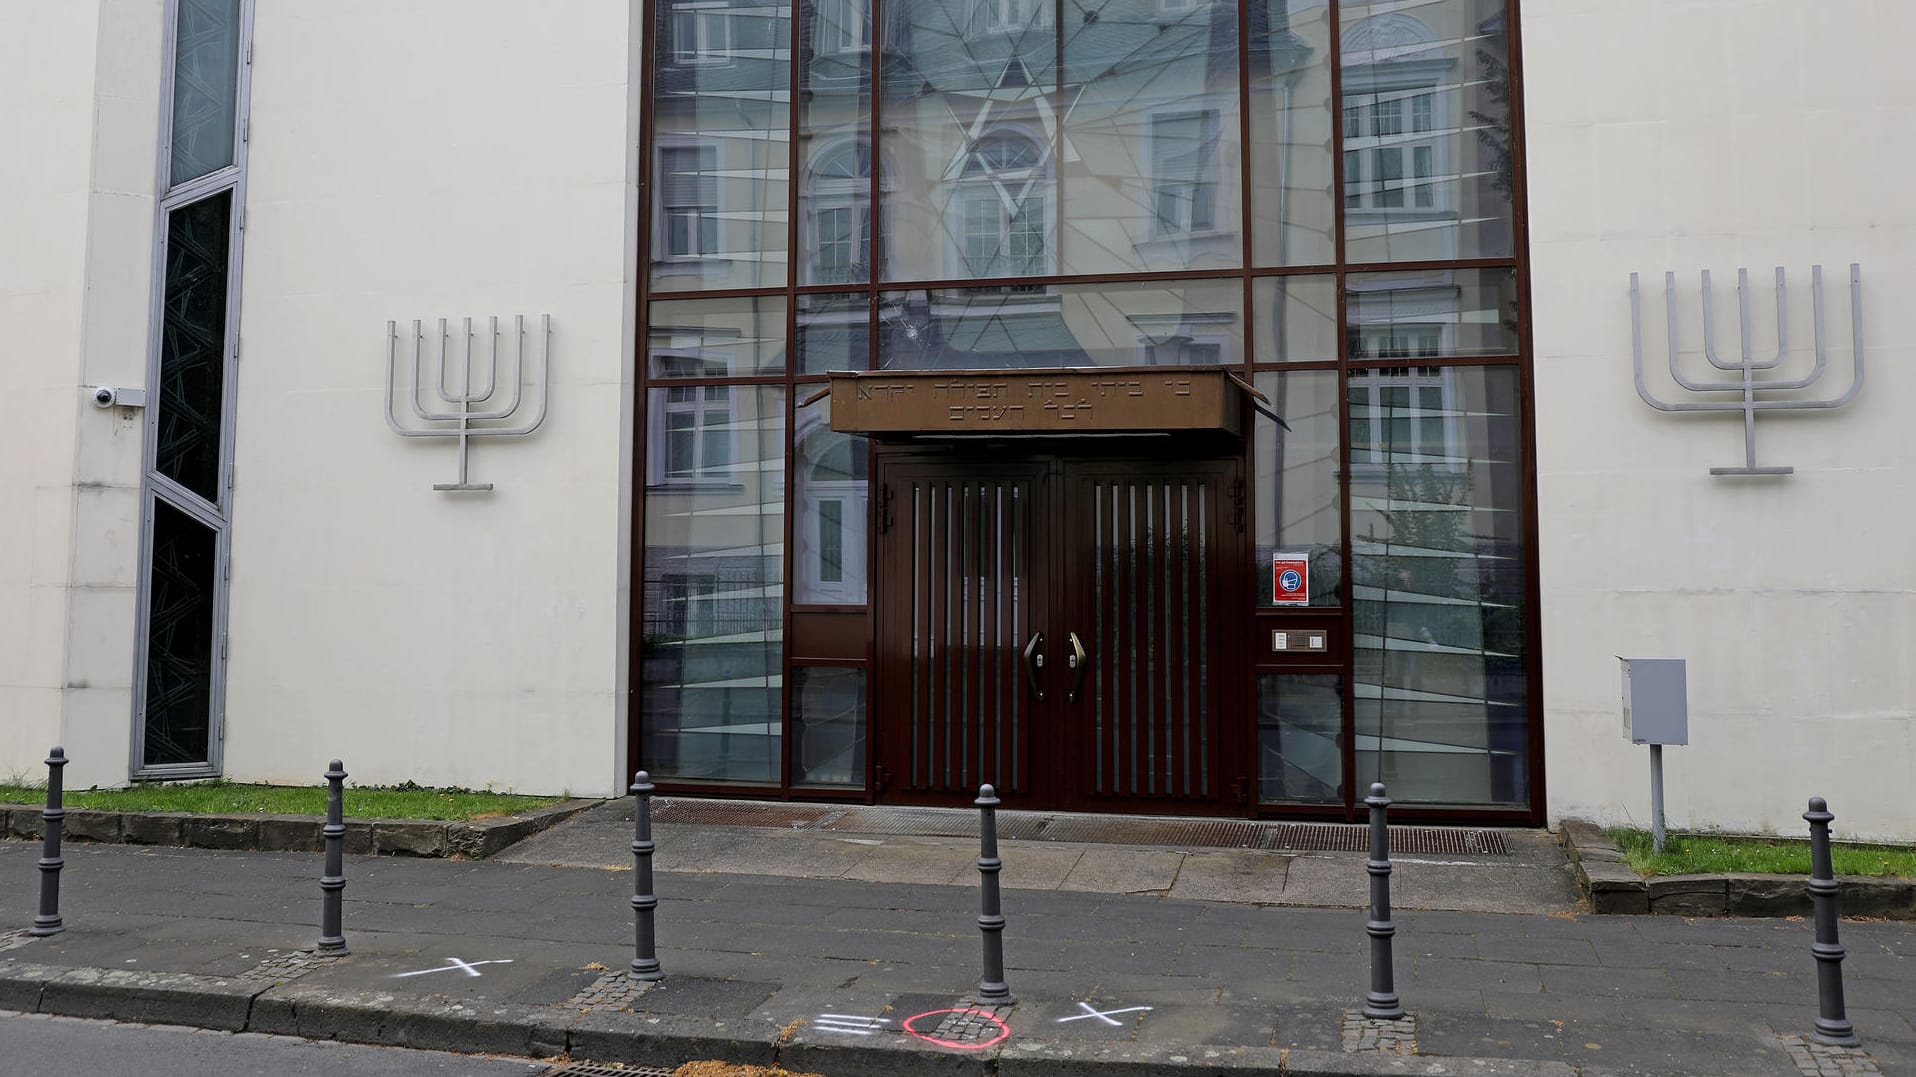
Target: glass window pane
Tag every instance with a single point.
(1299, 510)
(205, 87)
(1431, 75)
(1148, 145)
(722, 163)
(1007, 164)
(970, 188)
(1431, 313)
(1295, 319)
(193, 345)
(834, 144)
(1300, 723)
(828, 726)
(1176, 324)
(831, 475)
(179, 640)
(716, 338)
(1437, 573)
(1290, 154)
(833, 332)
(713, 622)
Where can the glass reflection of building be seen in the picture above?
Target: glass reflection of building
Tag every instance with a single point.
(1026, 183)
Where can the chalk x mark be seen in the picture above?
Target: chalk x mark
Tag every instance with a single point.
(1102, 1015)
(470, 968)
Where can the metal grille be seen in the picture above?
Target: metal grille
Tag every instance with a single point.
(606, 1070)
(1325, 837)
(1209, 833)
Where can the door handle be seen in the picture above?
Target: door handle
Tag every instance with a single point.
(1034, 664)
(1077, 660)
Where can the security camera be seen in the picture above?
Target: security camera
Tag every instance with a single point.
(106, 396)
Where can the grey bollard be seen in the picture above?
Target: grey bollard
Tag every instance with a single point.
(645, 904)
(991, 922)
(1382, 1002)
(1832, 1023)
(52, 819)
(332, 882)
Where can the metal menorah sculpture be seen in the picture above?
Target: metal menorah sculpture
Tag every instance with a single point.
(470, 412)
(1747, 384)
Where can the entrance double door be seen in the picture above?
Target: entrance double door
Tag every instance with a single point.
(1061, 628)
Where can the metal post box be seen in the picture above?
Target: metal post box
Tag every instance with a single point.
(1656, 708)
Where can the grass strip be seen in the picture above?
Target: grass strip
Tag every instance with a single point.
(233, 798)
(1709, 854)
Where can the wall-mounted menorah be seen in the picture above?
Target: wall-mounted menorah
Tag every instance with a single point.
(1747, 368)
(486, 410)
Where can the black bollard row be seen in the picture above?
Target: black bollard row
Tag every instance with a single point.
(52, 819)
(332, 883)
(1832, 1023)
(1382, 1002)
(645, 904)
(991, 921)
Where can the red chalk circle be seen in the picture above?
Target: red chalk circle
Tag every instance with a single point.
(1004, 1030)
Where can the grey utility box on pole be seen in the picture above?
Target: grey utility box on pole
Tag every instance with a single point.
(1656, 712)
(1656, 707)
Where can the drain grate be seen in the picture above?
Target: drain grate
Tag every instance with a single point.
(1331, 837)
(1210, 834)
(742, 813)
(606, 1070)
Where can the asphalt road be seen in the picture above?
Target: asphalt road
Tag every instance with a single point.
(38, 1046)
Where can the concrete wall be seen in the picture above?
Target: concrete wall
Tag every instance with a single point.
(1714, 134)
(82, 84)
(437, 159)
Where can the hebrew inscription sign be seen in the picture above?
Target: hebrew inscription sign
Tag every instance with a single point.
(1132, 399)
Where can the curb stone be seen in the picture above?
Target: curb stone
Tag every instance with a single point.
(447, 1024)
(1612, 886)
(477, 839)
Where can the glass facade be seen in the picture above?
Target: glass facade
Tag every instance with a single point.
(1319, 195)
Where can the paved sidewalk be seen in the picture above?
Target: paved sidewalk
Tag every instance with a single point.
(1530, 874)
(822, 974)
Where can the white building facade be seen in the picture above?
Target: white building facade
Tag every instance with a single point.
(1409, 225)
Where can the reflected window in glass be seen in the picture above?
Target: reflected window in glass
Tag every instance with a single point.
(701, 33)
(1438, 583)
(1435, 313)
(713, 595)
(1428, 164)
(832, 472)
(1184, 192)
(721, 164)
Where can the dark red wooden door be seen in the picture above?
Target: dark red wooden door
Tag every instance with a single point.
(962, 555)
(1151, 552)
(1055, 627)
